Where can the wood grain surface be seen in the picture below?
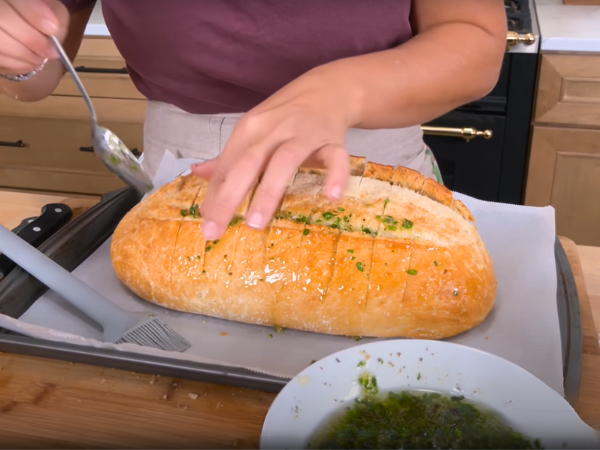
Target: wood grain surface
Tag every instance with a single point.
(54, 404)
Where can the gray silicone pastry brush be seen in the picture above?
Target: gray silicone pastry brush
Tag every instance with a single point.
(119, 325)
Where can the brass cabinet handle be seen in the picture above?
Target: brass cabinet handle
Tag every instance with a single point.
(466, 133)
(513, 39)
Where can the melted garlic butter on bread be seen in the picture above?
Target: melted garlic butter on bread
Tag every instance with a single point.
(397, 256)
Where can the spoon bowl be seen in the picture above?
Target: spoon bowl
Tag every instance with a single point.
(111, 150)
(115, 155)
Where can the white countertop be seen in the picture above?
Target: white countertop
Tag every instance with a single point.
(563, 27)
(96, 25)
(569, 28)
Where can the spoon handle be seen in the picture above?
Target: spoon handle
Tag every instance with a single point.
(67, 63)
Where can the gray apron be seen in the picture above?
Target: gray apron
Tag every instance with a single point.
(202, 136)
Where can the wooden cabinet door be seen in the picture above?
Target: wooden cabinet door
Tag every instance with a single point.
(564, 172)
(569, 90)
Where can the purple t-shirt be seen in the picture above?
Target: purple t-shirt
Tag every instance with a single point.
(221, 56)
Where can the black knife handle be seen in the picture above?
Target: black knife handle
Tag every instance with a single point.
(54, 216)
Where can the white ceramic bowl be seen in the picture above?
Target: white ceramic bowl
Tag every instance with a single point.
(523, 401)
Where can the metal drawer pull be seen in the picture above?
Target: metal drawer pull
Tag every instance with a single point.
(135, 151)
(18, 143)
(466, 133)
(84, 69)
(513, 39)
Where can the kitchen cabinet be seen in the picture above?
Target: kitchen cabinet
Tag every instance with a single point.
(46, 145)
(564, 162)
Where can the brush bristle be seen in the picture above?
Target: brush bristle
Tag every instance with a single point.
(155, 333)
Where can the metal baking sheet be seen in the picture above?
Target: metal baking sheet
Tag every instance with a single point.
(78, 240)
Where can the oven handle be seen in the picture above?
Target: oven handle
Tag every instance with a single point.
(466, 133)
(513, 39)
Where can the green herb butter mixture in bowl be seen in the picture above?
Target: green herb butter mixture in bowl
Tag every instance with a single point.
(421, 394)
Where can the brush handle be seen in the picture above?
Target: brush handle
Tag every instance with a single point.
(61, 281)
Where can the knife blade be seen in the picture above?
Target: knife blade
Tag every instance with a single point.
(35, 230)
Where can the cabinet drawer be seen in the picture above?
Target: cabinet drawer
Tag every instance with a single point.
(569, 90)
(100, 85)
(45, 145)
(564, 172)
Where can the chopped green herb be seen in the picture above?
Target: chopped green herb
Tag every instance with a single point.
(407, 224)
(199, 257)
(312, 362)
(114, 160)
(380, 360)
(341, 209)
(360, 266)
(435, 263)
(301, 219)
(389, 220)
(352, 258)
(385, 202)
(416, 420)
(350, 250)
(215, 242)
(411, 272)
(392, 228)
(358, 338)
(347, 218)
(204, 271)
(189, 258)
(361, 364)
(234, 221)
(419, 376)
(208, 248)
(270, 335)
(328, 215)
(306, 232)
(335, 225)
(278, 329)
(365, 229)
(369, 383)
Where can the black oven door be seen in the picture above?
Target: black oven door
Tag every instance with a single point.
(471, 167)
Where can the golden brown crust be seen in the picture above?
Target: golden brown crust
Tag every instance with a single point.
(395, 257)
(463, 210)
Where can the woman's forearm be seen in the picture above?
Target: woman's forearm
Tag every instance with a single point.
(443, 67)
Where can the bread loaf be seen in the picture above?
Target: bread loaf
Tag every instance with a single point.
(397, 256)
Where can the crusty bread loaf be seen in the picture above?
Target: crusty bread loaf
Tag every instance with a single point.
(397, 256)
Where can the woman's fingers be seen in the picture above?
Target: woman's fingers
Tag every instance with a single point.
(269, 192)
(205, 169)
(231, 180)
(337, 162)
(16, 53)
(37, 13)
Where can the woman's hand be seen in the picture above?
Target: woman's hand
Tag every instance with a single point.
(305, 123)
(454, 58)
(24, 29)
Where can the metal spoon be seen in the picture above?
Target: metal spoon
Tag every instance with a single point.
(107, 146)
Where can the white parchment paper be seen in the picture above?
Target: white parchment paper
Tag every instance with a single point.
(523, 327)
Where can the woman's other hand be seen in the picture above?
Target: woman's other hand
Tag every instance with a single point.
(305, 123)
(24, 29)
